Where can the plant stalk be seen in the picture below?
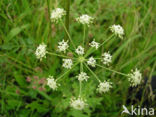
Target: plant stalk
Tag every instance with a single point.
(67, 8)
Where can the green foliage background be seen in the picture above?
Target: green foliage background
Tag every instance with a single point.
(25, 23)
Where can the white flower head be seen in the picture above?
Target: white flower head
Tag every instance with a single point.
(80, 50)
(106, 58)
(82, 76)
(117, 30)
(91, 61)
(78, 104)
(135, 77)
(63, 46)
(67, 63)
(104, 87)
(41, 51)
(85, 19)
(94, 44)
(51, 82)
(57, 14)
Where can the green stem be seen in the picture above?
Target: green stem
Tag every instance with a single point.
(80, 82)
(57, 55)
(48, 3)
(66, 72)
(92, 72)
(84, 35)
(112, 70)
(91, 50)
(106, 40)
(67, 8)
(68, 34)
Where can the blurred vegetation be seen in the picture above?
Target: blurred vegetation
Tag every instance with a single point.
(25, 23)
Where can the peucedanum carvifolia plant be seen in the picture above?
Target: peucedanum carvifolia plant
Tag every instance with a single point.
(83, 58)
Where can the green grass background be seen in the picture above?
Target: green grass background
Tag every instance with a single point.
(25, 23)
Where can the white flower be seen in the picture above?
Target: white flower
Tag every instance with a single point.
(106, 58)
(41, 51)
(117, 30)
(63, 46)
(52, 83)
(85, 19)
(80, 50)
(104, 87)
(67, 63)
(94, 44)
(78, 104)
(135, 77)
(57, 14)
(91, 61)
(82, 76)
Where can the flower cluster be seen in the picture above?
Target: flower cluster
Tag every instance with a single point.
(106, 58)
(117, 30)
(57, 14)
(104, 87)
(67, 63)
(78, 104)
(80, 50)
(51, 82)
(63, 46)
(85, 58)
(135, 77)
(83, 76)
(94, 44)
(85, 19)
(41, 51)
(91, 61)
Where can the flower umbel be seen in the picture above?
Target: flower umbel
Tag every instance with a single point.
(41, 51)
(135, 77)
(104, 87)
(67, 63)
(57, 14)
(80, 50)
(85, 19)
(91, 61)
(83, 58)
(94, 44)
(78, 104)
(51, 82)
(82, 76)
(63, 46)
(106, 58)
(117, 30)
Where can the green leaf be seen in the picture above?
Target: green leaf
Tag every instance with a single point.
(15, 31)
(19, 79)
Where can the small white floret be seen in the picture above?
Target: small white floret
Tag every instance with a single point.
(82, 76)
(85, 19)
(78, 104)
(104, 87)
(51, 82)
(57, 14)
(106, 58)
(135, 77)
(67, 63)
(117, 30)
(94, 44)
(80, 50)
(91, 61)
(63, 46)
(41, 51)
